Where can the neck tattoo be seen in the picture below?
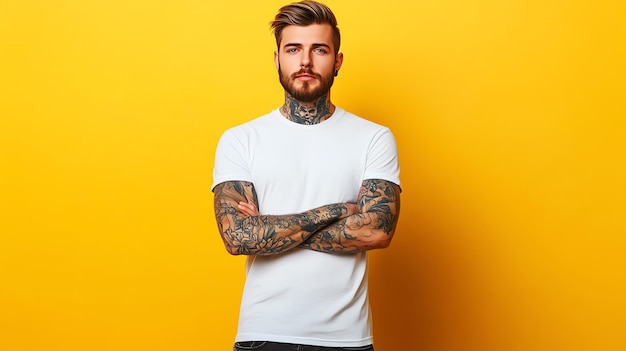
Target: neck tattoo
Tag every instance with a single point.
(307, 113)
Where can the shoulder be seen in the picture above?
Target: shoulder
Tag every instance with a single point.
(250, 126)
(359, 123)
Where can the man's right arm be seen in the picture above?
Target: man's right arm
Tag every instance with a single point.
(267, 235)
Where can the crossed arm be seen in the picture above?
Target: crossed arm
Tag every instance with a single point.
(371, 228)
(334, 228)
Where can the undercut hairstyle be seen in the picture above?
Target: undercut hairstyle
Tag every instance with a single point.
(305, 13)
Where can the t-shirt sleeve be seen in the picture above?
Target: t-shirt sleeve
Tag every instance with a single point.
(382, 158)
(230, 160)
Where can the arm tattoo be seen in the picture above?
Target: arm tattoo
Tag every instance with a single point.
(379, 202)
(314, 113)
(265, 235)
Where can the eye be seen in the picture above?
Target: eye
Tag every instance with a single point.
(290, 50)
(321, 51)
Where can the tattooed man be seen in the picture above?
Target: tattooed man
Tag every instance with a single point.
(305, 191)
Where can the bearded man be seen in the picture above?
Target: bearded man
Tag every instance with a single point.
(305, 192)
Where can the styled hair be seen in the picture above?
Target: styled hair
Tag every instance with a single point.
(305, 13)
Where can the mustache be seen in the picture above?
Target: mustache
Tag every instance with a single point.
(307, 71)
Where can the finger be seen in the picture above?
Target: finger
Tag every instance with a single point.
(252, 206)
(248, 208)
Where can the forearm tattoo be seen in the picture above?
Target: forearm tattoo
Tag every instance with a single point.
(301, 113)
(265, 235)
(379, 201)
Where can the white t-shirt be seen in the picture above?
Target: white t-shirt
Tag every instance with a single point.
(304, 296)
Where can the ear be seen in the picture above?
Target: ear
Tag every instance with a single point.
(276, 60)
(338, 61)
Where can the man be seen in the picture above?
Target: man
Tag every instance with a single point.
(326, 186)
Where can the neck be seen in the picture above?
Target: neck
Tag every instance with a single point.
(307, 112)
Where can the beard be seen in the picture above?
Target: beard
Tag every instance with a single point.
(306, 93)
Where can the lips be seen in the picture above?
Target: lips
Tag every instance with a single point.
(306, 78)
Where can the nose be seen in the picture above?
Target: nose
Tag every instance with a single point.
(305, 60)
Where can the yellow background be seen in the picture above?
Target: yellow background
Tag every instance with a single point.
(509, 117)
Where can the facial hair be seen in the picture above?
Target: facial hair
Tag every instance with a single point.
(305, 93)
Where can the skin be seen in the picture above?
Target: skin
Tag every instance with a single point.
(267, 235)
(306, 62)
(371, 228)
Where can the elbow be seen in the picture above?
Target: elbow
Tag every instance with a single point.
(382, 244)
(241, 249)
(382, 239)
(233, 251)
(233, 248)
(237, 250)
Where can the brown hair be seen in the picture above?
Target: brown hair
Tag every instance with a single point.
(305, 13)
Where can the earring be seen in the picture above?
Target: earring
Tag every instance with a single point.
(336, 73)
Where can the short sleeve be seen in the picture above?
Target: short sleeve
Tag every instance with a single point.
(382, 158)
(230, 160)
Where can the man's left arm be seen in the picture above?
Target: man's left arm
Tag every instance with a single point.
(372, 228)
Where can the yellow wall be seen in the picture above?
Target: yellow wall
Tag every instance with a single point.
(509, 116)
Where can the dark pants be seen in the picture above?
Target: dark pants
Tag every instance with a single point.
(279, 346)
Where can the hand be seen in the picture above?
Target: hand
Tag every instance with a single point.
(352, 209)
(248, 208)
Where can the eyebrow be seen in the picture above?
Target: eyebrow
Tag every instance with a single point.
(315, 45)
